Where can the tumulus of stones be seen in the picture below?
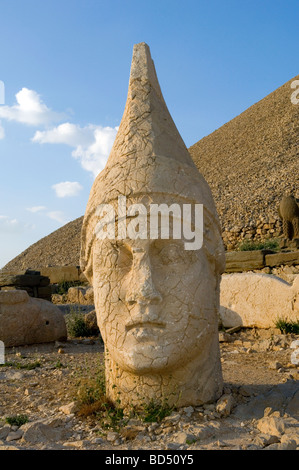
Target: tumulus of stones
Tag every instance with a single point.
(251, 162)
(59, 248)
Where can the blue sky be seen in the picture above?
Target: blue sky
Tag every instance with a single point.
(65, 66)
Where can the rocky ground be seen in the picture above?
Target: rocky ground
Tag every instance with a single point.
(249, 163)
(259, 408)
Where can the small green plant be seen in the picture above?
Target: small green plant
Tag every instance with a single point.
(286, 326)
(19, 365)
(92, 390)
(92, 400)
(190, 441)
(250, 245)
(17, 420)
(76, 325)
(59, 365)
(113, 416)
(155, 410)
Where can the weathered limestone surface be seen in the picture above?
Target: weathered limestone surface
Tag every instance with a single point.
(251, 299)
(26, 320)
(278, 259)
(244, 260)
(157, 304)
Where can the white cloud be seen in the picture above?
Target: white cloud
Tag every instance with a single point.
(67, 188)
(66, 133)
(92, 144)
(29, 109)
(36, 209)
(12, 225)
(58, 216)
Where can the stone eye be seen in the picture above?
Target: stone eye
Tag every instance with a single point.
(124, 257)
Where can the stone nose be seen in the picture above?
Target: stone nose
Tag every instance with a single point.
(142, 289)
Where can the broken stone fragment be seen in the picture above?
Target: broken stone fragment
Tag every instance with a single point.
(224, 405)
(271, 425)
(257, 300)
(26, 320)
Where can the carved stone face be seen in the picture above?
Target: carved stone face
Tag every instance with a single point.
(155, 302)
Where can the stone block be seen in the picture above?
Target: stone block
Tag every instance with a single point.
(29, 280)
(238, 261)
(278, 259)
(80, 295)
(44, 281)
(257, 300)
(89, 296)
(44, 292)
(61, 273)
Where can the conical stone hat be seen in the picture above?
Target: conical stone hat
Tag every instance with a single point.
(148, 157)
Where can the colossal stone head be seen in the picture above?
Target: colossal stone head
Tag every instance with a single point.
(156, 297)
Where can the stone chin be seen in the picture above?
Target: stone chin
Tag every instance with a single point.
(143, 359)
(157, 355)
